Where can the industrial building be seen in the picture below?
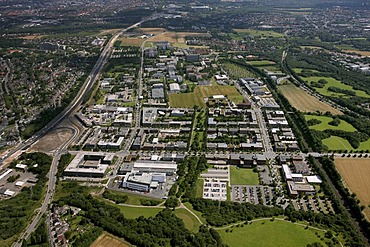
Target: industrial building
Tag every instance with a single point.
(89, 164)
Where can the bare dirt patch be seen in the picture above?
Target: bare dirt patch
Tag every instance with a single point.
(356, 173)
(107, 240)
(53, 140)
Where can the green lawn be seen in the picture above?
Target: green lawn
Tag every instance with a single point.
(266, 233)
(196, 98)
(200, 183)
(335, 83)
(261, 63)
(243, 176)
(190, 221)
(339, 143)
(197, 213)
(259, 33)
(345, 126)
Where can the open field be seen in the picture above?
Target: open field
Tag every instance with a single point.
(109, 31)
(261, 63)
(339, 143)
(131, 41)
(302, 101)
(259, 33)
(200, 183)
(200, 92)
(265, 233)
(135, 212)
(190, 221)
(324, 125)
(108, 240)
(197, 213)
(243, 176)
(356, 173)
(335, 83)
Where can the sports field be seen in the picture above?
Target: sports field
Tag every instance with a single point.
(324, 125)
(302, 101)
(356, 174)
(196, 98)
(190, 221)
(265, 233)
(108, 240)
(243, 176)
(333, 83)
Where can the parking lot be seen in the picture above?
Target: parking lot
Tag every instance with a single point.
(313, 204)
(252, 194)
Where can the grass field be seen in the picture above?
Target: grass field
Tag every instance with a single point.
(197, 213)
(190, 221)
(266, 233)
(200, 183)
(261, 63)
(335, 83)
(135, 212)
(196, 97)
(337, 143)
(302, 101)
(259, 33)
(243, 176)
(324, 125)
(356, 173)
(237, 71)
(108, 240)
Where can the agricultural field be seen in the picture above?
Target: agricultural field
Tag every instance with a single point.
(261, 63)
(324, 125)
(333, 83)
(356, 173)
(237, 71)
(243, 176)
(190, 221)
(108, 240)
(196, 98)
(259, 33)
(266, 233)
(272, 69)
(302, 101)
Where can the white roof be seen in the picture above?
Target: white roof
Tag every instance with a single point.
(315, 179)
(218, 96)
(20, 183)
(21, 166)
(9, 193)
(287, 172)
(297, 175)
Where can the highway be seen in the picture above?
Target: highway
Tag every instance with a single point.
(69, 111)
